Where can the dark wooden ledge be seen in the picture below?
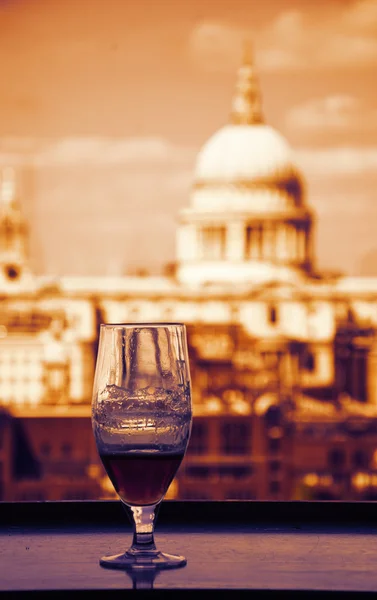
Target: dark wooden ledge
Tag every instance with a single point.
(234, 549)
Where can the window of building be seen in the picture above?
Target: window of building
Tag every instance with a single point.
(336, 458)
(45, 449)
(273, 416)
(309, 431)
(213, 242)
(198, 472)
(199, 438)
(274, 444)
(274, 466)
(272, 314)
(235, 438)
(66, 449)
(338, 478)
(234, 471)
(360, 459)
(12, 271)
(308, 361)
(274, 487)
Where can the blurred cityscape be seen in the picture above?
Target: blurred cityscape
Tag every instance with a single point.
(283, 356)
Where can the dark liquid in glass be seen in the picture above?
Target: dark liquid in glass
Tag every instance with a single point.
(141, 479)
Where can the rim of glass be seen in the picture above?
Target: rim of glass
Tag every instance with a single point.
(140, 324)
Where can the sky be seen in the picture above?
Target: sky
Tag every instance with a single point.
(105, 105)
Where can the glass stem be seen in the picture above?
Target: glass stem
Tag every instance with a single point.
(143, 518)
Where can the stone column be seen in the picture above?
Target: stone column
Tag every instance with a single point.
(303, 245)
(263, 244)
(248, 240)
(235, 241)
(259, 241)
(299, 253)
(291, 233)
(252, 246)
(274, 241)
(308, 243)
(281, 242)
(268, 241)
(295, 243)
(256, 251)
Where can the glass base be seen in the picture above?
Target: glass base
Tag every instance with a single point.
(154, 560)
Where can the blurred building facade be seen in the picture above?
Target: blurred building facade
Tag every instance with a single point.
(283, 356)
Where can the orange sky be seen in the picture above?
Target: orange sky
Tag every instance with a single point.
(155, 80)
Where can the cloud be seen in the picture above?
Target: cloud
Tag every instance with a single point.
(324, 38)
(340, 184)
(361, 17)
(128, 208)
(337, 162)
(333, 114)
(110, 197)
(216, 46)
(333, 39)
(93, 151)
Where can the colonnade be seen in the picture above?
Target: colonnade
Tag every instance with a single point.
(275, 241)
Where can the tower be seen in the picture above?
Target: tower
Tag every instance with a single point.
(13, 230)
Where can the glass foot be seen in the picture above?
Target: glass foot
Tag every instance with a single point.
(129, 560)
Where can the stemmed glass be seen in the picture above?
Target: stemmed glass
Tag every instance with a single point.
(142, 417)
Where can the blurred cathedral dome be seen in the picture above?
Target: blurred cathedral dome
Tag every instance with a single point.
(245, 153)
(247, 220)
